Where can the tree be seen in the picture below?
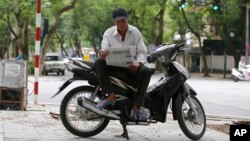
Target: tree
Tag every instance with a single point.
(159, 23)
(224, 20)
(17, 17)
(198, 36)
(54, 27)
(83, 26)
(231, 19)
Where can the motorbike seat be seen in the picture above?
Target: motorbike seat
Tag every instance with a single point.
(90, 64)
(240, 71)
(129, 80)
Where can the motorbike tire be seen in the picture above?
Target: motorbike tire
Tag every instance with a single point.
(235, 79)
(186, 117)
(68, 125)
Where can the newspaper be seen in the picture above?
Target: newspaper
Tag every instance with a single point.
(120, 57)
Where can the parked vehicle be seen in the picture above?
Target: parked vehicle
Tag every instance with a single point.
(80, 116)
(53, 64)
(238, 75)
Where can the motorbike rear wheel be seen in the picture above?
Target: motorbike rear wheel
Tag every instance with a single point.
(235, 79)
(78, 120)
(192, 126)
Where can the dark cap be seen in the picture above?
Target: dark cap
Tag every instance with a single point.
(119, 14)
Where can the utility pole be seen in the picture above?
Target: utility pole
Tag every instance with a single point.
(225, 50)
(247, 33)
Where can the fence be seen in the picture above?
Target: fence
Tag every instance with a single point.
(216, 62)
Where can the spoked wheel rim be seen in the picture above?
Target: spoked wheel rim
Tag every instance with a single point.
(80, 118)
(195, 124)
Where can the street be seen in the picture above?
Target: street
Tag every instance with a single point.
(223, 96)
(218, 96)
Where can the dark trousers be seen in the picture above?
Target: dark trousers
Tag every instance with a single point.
(140, 79)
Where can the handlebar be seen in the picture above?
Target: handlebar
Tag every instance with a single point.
(166, 50)
(179, 47)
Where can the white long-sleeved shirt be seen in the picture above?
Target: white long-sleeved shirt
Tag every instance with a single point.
(242, 65)
(133, 39)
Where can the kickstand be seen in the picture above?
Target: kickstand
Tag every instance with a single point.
(125, 131)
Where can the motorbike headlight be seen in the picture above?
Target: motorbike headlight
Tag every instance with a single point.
(71, 66)
(182, 69)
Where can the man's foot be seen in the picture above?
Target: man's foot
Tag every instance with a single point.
(104, 103)
(140, 113)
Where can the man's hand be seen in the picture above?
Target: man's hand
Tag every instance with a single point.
(135, 66)
(103, 54)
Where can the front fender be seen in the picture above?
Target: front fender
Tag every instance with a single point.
(177, 99)
(66, 84)
(191, 90)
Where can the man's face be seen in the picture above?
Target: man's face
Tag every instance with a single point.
(122, 24)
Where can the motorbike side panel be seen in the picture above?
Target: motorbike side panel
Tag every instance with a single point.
(159, 99)
(238, 74)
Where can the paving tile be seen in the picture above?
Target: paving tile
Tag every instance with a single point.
(37, 124)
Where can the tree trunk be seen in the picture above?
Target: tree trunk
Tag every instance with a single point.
(243, 26)
(53, 29)
(158, 30)
(61, 41)
(235, 51)
(94, 43)
(77, 44)
(26, 42)
(197, 35)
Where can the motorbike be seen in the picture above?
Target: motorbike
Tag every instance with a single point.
(238, 75)
(80, 116)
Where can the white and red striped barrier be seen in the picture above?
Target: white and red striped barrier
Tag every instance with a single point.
(37, 49)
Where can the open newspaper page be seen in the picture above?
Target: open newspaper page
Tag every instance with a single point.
(120, 57)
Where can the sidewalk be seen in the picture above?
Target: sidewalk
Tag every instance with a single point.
(37, 124)
(211, 75)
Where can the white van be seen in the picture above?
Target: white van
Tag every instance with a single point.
(53, 63)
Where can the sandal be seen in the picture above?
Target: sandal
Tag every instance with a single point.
(104, 103)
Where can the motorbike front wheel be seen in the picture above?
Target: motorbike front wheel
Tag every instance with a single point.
(78, 120)
(192, 125)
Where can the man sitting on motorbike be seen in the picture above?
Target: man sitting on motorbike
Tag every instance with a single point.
(244, 68)
(123, 35)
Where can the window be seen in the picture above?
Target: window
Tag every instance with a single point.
(52, 58)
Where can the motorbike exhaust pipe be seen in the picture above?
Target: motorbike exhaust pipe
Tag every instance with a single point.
(85, 103)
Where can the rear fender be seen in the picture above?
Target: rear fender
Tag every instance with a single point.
(66, 84)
